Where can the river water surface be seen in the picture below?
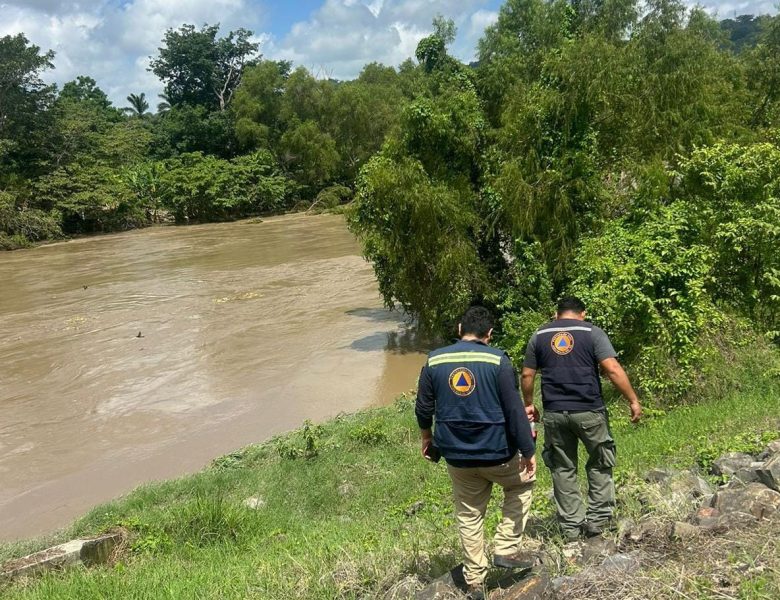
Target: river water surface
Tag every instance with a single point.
(246, 329)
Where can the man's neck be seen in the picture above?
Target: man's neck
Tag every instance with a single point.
(571, 315)
(474, 338)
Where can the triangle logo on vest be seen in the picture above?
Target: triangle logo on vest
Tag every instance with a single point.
(462, 381)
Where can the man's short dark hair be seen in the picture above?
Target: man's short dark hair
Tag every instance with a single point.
(570, 304)
(477, 321)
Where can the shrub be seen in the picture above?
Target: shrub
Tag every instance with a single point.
(646, 286)
(19, 227)
(369, 434)
(734, 192)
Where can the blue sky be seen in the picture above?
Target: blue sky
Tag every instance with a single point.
(112, 40)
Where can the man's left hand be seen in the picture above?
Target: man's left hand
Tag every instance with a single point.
(532, 413)
(528, 466)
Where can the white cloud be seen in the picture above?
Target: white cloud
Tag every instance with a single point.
(344, 35)
(111, 41)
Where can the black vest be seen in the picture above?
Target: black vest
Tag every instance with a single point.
(470, 422)
(570, 370)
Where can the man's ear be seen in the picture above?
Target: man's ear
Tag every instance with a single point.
(490, 333)
(460, 330)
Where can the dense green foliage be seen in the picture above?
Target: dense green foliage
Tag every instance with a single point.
(626, 152)
(234, 135)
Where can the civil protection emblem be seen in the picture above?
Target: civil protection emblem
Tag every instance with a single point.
(562, 343)
(462, 381)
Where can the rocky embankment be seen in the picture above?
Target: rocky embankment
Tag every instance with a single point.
(695, 538)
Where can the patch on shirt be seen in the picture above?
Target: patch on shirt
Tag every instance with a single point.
(462, 381)
(562, 343)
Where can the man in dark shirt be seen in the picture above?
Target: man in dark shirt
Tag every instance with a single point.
(569, 352)
(471, 391)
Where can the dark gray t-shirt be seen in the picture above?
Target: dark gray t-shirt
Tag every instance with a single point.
(601, 346)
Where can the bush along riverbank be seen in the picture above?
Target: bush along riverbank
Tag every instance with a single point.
(348, 509)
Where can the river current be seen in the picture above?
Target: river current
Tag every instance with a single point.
(144, 355)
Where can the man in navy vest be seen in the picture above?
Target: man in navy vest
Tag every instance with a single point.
(569, 352)
(470, 390)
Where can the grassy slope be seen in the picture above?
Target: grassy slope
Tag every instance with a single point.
(336, 525)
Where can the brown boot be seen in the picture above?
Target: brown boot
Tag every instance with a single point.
(518, 560)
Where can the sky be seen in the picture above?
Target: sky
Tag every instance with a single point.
(112, 40)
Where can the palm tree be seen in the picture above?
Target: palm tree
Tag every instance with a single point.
(165, 105)
(138, 105)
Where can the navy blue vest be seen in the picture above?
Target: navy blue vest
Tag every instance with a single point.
(470, 423)
(570, 370)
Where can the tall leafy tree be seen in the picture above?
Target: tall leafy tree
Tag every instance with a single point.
(25, 101)
(258, 103)
(85, 89)
(201, 69)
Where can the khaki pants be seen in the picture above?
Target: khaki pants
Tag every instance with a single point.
(471, 489)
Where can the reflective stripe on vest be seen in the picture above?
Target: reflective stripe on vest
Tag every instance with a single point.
(463, 357)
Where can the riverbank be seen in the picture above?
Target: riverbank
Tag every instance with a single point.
(245, 331)
(11, 243)
(347, 508)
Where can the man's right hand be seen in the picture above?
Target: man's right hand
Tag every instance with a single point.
(636, 411)
(532, 413)
(528, 466)
(426, 447)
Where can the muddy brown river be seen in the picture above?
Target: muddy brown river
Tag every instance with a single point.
(144, 355)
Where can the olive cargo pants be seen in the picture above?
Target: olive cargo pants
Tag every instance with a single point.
(471, 489)
(562, 433)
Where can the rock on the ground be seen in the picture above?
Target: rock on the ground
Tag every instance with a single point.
(621, 564)
(597, 548)
(707, 518)
(684, 532)
(754, 498)
(772, 449)
(562, 584)
(660, 475)
(749, 474)
(734, 521)
(89, 552)
(691, 484)
(404, 589)
(769, 473)
(534, 587)
(676, 491)
(729, 464)
(446, 587)
(644, 529)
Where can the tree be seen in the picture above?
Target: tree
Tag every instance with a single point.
(185, 128)
(311, 155)
(763, 64)
(258, 103)
(200, 69)
(25, 101)
(85, 89)
(165, 105)
(138, 105)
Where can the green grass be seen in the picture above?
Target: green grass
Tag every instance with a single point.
(335, 524)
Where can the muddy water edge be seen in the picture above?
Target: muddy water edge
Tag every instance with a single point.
(142, 356)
